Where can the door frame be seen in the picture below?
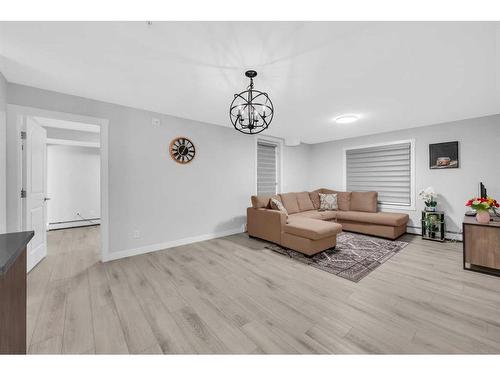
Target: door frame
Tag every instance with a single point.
(17, 113)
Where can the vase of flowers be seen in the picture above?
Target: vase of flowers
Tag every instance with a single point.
(428, 195)
(482, 207)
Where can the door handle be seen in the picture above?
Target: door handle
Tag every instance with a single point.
(46, 199)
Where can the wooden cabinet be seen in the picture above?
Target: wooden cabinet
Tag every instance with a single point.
(13, 292)
(481, 244)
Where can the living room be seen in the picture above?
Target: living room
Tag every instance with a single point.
(265, 187)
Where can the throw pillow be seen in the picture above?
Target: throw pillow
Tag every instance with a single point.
(328, 202)
(277, 205)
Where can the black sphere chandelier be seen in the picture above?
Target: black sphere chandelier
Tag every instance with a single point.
(251, 111)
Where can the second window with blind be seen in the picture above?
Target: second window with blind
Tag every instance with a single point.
(386, 169)
(268, 154)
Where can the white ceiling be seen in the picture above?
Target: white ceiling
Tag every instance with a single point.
(395, 75)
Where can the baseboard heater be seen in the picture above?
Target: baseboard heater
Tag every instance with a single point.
(419, 229)
(74, 223)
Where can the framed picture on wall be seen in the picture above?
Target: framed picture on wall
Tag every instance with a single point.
(443, 155)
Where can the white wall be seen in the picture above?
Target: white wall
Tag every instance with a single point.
(73, 183)
(166, 203)
(3, 154)
(296, 167)
(479, 152)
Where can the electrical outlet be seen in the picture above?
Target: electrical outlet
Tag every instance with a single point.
(156, 121)
(136, 234)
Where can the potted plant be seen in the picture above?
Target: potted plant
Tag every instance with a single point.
(431, 225)
(428, 195)
(482, 207)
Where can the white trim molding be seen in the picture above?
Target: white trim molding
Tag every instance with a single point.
(166, 245)
(411, 206)
(67, 124)
(69, 142)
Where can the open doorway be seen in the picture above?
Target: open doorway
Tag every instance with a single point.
(61, 176)
(73, 191)
(63, 179)
(73, 177)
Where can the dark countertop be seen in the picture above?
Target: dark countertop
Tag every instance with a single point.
(11, 246)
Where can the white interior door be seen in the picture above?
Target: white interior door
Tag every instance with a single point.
(36, 188)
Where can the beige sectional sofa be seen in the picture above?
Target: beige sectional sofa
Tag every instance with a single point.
(309, 230)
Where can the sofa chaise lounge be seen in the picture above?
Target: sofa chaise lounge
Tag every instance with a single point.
(307, 229)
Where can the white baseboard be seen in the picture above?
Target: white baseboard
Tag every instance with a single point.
(448, 235)
(413, 230)
(165, 245)
(73, 224)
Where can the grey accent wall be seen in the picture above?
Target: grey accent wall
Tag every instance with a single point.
(479, 150)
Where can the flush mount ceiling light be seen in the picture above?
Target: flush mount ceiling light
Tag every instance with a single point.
(251, 110)
(346, 119)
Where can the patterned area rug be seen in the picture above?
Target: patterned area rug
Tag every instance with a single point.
(354, 257)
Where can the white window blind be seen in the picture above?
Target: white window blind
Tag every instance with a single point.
(385, 169)
(267, 171)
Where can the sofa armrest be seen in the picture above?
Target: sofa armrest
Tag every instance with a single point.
(265, 223)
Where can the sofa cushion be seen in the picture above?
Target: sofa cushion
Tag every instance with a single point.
(289, 200)
(304, 202)
(314, 195)
(311, 228)
(263, 201)
(328, 215)
(381, 218)
(328, 202)
(364, 201)
(315, 214)
(343, 198)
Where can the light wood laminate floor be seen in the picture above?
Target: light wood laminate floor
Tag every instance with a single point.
(231, 295)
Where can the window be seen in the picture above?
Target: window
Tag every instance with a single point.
(386, 169)
(267, 167)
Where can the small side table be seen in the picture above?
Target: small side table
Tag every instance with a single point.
(433, 225)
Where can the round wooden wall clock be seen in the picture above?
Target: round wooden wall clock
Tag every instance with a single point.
(182, 150)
